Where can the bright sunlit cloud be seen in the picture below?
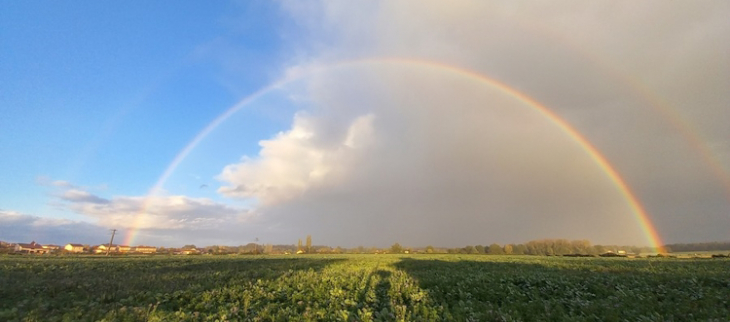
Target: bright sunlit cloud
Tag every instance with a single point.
(294, 161)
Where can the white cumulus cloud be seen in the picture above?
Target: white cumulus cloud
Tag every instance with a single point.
(295, 161)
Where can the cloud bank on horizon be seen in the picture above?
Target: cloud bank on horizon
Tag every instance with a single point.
(381, 152)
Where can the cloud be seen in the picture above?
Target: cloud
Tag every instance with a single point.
(452, 162)
(19, 227)
(47, 181)
(76, 195)
(174, 228)
(152, 212)
(457, 161)
(420, 155)
(295, 160)
(61, 183)
(164, 220)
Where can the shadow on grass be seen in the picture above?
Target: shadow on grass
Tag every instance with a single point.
(563, 289)
(381, 291)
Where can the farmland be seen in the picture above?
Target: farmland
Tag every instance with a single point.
(363, 288)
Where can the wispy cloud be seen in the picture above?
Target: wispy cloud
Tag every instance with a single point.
(76, 195)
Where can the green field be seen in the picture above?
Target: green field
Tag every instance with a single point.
(363, 288)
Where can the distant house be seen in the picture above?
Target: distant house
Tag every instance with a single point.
(52, 247)
(112, 249)
(103, 248)
(145, 249)
(74, 248)
(32, 248)
(189, 251)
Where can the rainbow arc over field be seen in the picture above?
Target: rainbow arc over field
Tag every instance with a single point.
(642, 217)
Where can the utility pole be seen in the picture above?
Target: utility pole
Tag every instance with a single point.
(110, 242)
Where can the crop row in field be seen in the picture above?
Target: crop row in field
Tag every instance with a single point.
(363, 288)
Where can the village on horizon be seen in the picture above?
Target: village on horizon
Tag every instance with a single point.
(548, 247)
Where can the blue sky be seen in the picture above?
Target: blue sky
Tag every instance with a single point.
(98, 98)
(96, 91)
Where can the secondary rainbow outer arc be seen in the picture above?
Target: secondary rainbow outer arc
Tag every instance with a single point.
(660, 105)
(690, 133)
(640, 213)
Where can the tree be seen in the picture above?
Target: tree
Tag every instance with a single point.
(519, 249)
(299, 245)
(396, 248)
(599, 249)
(470, 250)
(479, 248)
(189, 247)
(309, 243)
(429, 249)
(562, 247)
(581, 246)
(495, 249)
(508, 249)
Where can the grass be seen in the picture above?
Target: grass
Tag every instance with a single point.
(362, 288)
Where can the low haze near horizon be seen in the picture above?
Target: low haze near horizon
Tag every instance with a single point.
(371, 122)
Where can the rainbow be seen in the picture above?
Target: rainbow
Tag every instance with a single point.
(642, 217)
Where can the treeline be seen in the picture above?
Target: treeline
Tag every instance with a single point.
(547, 247)
(698, 247)
(542, 247)
(251, 248)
